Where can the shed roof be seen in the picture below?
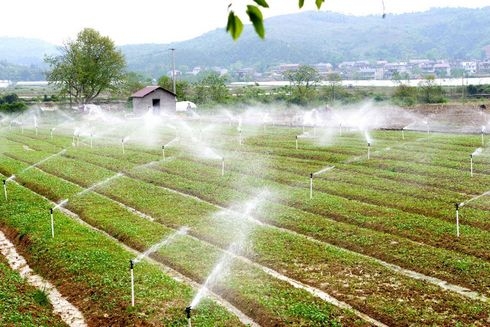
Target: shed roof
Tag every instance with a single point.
(149, 89)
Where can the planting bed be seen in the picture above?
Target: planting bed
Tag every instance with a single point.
(374, 242)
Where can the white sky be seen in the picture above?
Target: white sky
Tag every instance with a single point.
(165, 21)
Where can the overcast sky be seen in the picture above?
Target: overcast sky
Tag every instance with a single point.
(165, 21)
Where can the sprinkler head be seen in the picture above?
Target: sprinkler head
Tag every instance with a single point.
(457, 206)
(369, 143)
(163, 147)
(471, 155)
(4, 182)
(131, 264)
(188, 312)
(51, 210)
(296, 136)
(311, 175)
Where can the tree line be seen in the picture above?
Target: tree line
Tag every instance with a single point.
(91, 66)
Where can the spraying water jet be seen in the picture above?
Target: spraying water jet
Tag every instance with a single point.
(482, 135)
(223, 166)
(165, 241)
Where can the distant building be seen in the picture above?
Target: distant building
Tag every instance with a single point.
(154, 98)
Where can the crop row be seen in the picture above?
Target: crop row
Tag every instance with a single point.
(132, 189)
(194, 259)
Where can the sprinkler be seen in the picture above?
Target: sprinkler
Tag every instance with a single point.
(51, 132)
(163, 152)
(122, 145)
(5, 189)
(311, 186)
(240, 137)
(403, 133)
(296, 142)
(368, 150)
(91, 138)
(188, 315)
(223, 166)
(52, 222)
(457, 219)
(131, 267)
(340, 129)
(471, 165)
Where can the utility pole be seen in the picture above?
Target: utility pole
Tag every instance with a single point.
(173, 68)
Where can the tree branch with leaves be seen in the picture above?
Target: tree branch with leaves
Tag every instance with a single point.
(234, 24)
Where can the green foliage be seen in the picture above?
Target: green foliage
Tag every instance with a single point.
(234, 25)
(12, 103)
(303, 82)
(182, 87)
(430, 92)
(255, 16)
(87, 66)
(405, 95)
(210, 89)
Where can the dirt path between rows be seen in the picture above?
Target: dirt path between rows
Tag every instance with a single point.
(69, 313)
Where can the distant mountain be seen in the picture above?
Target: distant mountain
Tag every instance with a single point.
(24, 51)
(319, 37)
(308, 37)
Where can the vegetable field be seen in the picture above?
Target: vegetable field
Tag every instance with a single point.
(264, 224)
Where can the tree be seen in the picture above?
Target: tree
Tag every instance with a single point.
(334, 82)
(181, 87)
(211, 89)
(303, 82)
(430, 92)
(234, 25)
(87, 66)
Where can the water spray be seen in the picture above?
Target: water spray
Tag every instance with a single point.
(131, 267)
(311, 186)
(457, 218)
(35, 124)
(482, 135)
(52, 221)
(188, 315)
(5, 188)
(223, 166)
(296, 142)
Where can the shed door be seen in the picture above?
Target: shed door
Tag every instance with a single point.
(156, 106)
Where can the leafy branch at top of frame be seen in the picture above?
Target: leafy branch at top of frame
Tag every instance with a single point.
(234, 25)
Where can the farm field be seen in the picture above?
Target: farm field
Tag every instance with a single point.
(253, 221)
